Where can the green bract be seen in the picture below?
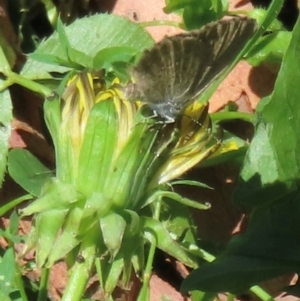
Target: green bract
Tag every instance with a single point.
(113, 159)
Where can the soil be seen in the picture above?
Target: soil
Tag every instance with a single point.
(245, 86)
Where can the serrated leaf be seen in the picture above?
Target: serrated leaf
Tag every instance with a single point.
(89, 36)
(47, 58)
(106, 57)
(272, 165)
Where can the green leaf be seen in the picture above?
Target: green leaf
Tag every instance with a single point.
(53, 119)
(165, 242)
(96, 154)
(272, 231)
(63, 39)
(68, 239)
(190, 183)
(54, 195)
(132, 248)
(260, 13)
(198, 13)
(106, 57)
(7, 55)
(4, 297)
(48, 59)
(201, 296)
(5, 130)
(126, 176)
(113, 274)
(272, 12)
(48, 224)
(72, 54)
(11, 233)
(235, 274)
(95, 207)
(270, 48)
(86, 38)
(7, 272)
(113, 227)
(27, 170)
(269, 248)
(272, 164)
(179, 222)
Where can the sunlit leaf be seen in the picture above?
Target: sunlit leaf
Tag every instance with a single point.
(88, 36)
(272, 165)
(27, 170)
(5, 130)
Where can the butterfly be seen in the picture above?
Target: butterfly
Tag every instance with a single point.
(172, 74)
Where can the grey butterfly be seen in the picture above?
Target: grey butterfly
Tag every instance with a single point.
(173, 73)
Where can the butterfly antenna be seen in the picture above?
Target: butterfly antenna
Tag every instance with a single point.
(218, 137)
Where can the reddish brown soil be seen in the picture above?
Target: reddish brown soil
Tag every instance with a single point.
(244, 85)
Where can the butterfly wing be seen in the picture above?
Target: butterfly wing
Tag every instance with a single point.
(176, 70)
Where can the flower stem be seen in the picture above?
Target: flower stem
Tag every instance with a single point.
(43, 289)
(14, 78)
(160, 23)
(226, 116)
(260, 293)
(144, 293)
(81, 271)
(14, 203)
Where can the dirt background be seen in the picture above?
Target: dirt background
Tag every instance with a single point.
(245, 85)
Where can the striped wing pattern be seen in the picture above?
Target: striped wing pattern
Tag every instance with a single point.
(176, 70)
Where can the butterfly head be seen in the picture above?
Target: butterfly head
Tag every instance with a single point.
(167, 110)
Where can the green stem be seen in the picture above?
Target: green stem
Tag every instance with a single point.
(262, 294)
(81, 271)
(14, 203)
(225, 116)
(230, 297)
(43, 289)
(258, 291)
(207, 256)
(144, 294)
(160, 23)
(20, 283)
(236, 13)
(14, 78)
